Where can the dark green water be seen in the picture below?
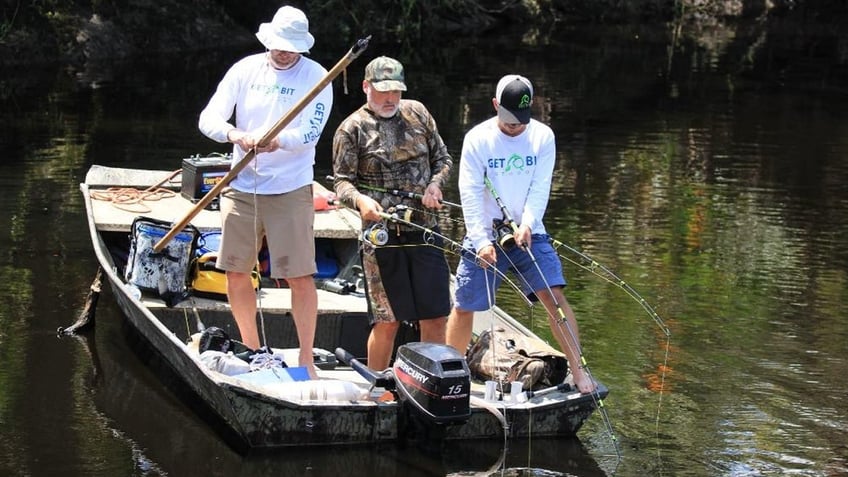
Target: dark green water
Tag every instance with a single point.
(709, 176)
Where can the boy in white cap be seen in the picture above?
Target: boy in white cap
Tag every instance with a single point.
(272, 196)
(517, 154)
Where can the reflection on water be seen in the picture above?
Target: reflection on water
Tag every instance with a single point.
(164, 437)
(711, 182)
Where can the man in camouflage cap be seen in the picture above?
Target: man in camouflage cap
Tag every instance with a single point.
(393, 143)
(385, 74)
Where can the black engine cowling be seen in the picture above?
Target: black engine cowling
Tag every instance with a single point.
(435, 381)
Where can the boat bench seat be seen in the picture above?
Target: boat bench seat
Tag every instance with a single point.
(273, 301)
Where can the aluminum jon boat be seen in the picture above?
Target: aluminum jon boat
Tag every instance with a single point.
(428, 393)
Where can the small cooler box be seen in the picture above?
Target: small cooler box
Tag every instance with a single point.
(201, 174)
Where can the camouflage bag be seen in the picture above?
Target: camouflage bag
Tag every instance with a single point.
(505, 356)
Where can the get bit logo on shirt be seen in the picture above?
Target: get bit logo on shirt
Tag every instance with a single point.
(514, 164)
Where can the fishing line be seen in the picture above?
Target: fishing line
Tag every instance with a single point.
(490, 298)
(263, 338)
(589, 264)
(562, 324)
(432, 213)
(563, 321)
(609, 277)
(455, 247)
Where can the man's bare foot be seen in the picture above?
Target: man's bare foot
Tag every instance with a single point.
(584, 383)
(308, 361)
(313, 372)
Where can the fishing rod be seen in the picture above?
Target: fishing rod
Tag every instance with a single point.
(398, 192)
(589, 264)
(505, 242)
(562, 321)
(377, 238)
(378, 235)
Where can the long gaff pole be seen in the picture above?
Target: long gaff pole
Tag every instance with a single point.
(284, 121)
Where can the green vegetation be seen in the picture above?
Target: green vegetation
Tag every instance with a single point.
(79, 30)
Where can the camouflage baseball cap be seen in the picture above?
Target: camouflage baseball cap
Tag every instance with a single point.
(385, 74)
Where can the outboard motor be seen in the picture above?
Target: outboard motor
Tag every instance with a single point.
(434, 381)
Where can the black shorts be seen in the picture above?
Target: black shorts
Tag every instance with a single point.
(415, 276)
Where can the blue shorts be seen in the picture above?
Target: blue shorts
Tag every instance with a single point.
(471, 279)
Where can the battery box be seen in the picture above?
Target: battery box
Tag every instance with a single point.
(201, 174)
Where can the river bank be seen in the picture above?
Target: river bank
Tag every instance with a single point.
(78, 31)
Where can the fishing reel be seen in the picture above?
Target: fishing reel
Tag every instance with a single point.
(376, 234)
(402, 212)
(503, 233)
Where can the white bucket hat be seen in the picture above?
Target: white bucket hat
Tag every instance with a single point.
(288, 31)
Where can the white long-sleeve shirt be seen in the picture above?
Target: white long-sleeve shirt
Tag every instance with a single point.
(520, 170)
(260, 95)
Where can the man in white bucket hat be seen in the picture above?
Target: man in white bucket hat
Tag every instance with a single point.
(271, 197)
(288, 31)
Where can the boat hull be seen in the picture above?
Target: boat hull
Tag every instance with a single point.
(250, 418)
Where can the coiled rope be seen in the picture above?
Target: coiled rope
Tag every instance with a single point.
(133, 200)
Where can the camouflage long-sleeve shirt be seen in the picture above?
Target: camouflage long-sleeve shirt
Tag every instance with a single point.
(404, 152)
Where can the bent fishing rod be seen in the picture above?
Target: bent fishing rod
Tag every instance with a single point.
(377, 235)
(398, 192)
(562, 319)
(507, 241)
(281, 124)
(590, 265)
(455, 247)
